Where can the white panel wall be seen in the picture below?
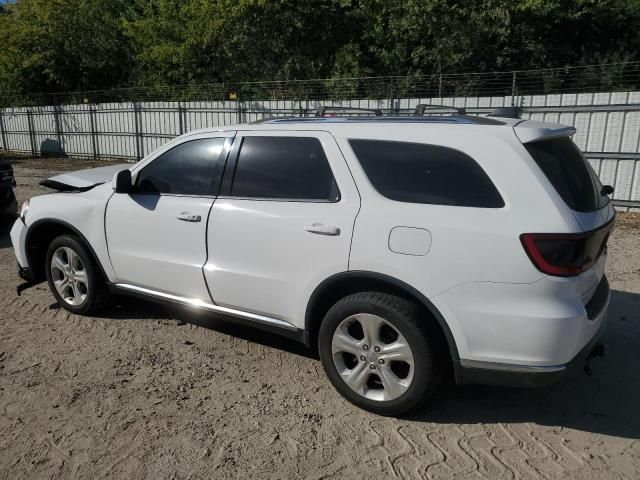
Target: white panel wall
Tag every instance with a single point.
(120, 130)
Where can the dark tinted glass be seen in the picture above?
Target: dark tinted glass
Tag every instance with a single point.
(191, 168)
(420, 173)
(293, 168)
(569, 173)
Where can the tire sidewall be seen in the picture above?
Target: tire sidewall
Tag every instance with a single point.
(93, 276)
(423, 357)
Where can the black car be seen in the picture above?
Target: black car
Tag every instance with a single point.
(8, 202)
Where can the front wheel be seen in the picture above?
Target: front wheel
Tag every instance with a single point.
(73, 276)
(378, 353)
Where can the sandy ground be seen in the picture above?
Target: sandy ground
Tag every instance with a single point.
(145, 392)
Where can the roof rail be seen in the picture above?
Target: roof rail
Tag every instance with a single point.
(420, 108)
(320, 112)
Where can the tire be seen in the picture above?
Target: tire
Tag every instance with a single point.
(382, 384)
(86, 290)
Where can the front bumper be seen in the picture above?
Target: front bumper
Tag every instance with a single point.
(488, 373)
(18, 240)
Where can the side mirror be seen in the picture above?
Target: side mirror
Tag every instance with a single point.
(606, 190)
(122, 181)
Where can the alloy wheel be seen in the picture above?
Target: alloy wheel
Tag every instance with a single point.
(69, 276)
(373, 358)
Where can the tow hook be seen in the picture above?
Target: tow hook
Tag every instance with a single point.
(597, 351)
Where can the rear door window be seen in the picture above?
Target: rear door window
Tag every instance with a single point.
(569, 172)
(421, 173)
(286, 168)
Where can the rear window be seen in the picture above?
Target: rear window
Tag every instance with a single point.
(421, 173)
(569, 173)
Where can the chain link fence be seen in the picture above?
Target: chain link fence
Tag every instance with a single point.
(607, 123)
(581, 79)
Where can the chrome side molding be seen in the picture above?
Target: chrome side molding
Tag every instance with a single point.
(196, 303)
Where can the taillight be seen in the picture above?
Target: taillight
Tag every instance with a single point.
(566, 255)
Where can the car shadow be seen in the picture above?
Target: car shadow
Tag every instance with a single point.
(606, 402)
(128, 308)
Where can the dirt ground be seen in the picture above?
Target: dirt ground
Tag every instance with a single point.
(147, 392)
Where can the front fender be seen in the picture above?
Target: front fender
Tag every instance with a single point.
(82, 213)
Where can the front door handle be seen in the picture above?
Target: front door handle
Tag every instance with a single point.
(189, 217)
(322, 229)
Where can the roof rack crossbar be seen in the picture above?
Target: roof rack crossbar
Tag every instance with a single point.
(320, 112)
(420, 109)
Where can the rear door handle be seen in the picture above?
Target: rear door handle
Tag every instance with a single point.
(322, 229)
(189, 217)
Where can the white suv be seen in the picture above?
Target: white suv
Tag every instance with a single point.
(403, 248)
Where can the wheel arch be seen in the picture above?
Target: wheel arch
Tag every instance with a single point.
(345, 283)
(40, 235)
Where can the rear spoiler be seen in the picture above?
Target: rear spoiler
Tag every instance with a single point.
(532, 131)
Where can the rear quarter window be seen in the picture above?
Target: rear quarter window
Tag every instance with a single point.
(429, 174)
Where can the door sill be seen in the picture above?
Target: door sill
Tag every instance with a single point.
(204, 306)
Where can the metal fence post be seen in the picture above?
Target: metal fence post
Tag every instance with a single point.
(180, 119)
(394, 106)
(32, 133)
(136, 125)
(58, 126)
(94, 133)
(513, 90)
(3, 134)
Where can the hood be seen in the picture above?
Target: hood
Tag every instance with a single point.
(83, 180)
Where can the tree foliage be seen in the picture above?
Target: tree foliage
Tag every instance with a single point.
(54, 45)
(66, 45)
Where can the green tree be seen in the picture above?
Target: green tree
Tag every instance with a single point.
(221, 40)
(62, 45)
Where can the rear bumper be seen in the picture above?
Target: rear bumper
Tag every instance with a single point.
(522, 376)
(500, 374)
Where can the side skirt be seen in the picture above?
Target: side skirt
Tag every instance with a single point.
(274, 325)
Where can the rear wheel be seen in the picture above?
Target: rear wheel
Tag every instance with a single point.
(74, 277)
(378, 354)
